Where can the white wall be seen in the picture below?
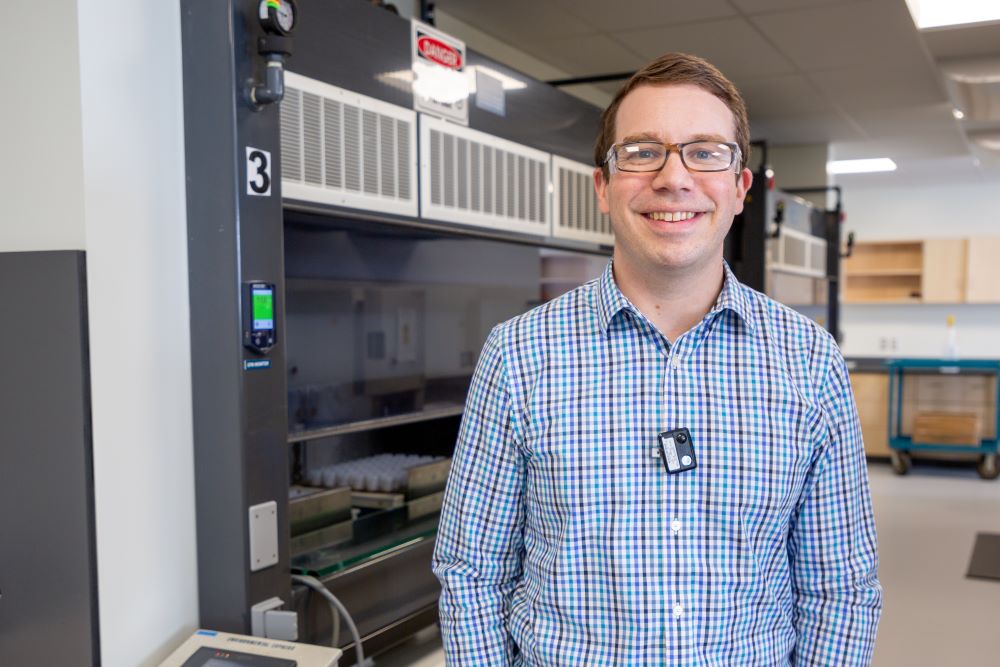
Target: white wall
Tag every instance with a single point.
(41, 207)
(944, 211)
(136, 242)
(94, 161)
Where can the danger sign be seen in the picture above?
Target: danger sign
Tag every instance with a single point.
(440, 82)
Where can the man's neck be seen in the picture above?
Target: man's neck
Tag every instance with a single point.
(674, 301)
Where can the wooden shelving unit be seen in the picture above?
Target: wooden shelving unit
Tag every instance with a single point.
(884, 271)
(921, 271)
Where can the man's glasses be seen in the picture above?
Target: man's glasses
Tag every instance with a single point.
(652, 155)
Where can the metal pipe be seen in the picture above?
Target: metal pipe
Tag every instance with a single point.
(273, 89)
(597, 78)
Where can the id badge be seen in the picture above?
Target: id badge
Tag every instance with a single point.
(677, 451)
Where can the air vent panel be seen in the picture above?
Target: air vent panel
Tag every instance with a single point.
(575, 212)
(797, 253)
(473, 178)
(346, 149)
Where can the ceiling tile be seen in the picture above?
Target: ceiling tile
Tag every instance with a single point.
(589, 93)
(781, 96)
(517, 21)
(805, 129)
(862, 88)
(582, 56)
(762, 6)
(871, 34)
(969, 42)
(908, 121)
(611, 88)
(629, 14)
(732, 45)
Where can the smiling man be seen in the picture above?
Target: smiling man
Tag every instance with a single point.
(662, 467)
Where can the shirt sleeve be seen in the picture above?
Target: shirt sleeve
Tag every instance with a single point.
(832, 545)
(478, 553)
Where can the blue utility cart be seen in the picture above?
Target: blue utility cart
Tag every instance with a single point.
(900, 445)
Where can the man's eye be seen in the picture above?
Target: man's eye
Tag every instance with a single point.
(702, 155)
(645, 154)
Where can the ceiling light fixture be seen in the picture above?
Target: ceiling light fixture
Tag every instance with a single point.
(958, 114)
(860, 166)
(989, 139)
(929, 14)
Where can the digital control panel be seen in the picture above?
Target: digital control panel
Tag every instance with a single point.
(259, 323)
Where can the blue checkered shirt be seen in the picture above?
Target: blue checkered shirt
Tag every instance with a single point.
(564, 542)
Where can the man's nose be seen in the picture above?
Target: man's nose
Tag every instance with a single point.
(673, 175)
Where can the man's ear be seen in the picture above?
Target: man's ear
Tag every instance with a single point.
(601, 187)
(743, 182)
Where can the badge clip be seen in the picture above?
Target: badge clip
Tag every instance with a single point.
(677, 451)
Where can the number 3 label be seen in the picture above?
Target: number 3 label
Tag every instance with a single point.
(258, 172)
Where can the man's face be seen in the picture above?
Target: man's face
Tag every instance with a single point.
(646, 237)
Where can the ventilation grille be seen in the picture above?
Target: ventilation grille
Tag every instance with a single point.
(476, 179)
(345, 149)
(798, 253)
(575, 211)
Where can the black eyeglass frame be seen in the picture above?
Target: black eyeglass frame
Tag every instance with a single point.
(611, 159)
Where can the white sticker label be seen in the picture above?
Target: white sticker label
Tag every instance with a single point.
(258, 172)
(670, 449)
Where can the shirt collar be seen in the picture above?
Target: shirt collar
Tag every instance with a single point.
(734, 296)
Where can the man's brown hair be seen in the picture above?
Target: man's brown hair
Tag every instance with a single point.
(677, 68)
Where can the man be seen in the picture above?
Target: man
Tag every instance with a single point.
(662, 467)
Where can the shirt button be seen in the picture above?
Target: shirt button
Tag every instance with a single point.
(678, 611)
(675, 363)
(675, 526)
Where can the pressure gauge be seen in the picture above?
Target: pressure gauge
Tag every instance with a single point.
(277, 16)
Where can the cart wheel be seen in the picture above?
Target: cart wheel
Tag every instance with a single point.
(901, 462)
(987, 467)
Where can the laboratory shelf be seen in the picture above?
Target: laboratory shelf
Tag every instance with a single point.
(431, 411)
(364, 549)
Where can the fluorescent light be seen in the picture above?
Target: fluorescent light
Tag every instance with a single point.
(860, 166)
(989, 139)
(938, 13)
(958, 114)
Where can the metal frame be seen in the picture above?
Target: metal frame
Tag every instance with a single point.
(897, 370)
(240, 427)
(832, 221)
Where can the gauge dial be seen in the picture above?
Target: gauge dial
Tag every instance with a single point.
(277, 16)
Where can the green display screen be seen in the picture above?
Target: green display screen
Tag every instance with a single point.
(263, 309)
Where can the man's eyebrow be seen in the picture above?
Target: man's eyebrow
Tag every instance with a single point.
(648, 136)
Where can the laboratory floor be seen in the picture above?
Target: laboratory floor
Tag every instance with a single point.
(927, 523)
